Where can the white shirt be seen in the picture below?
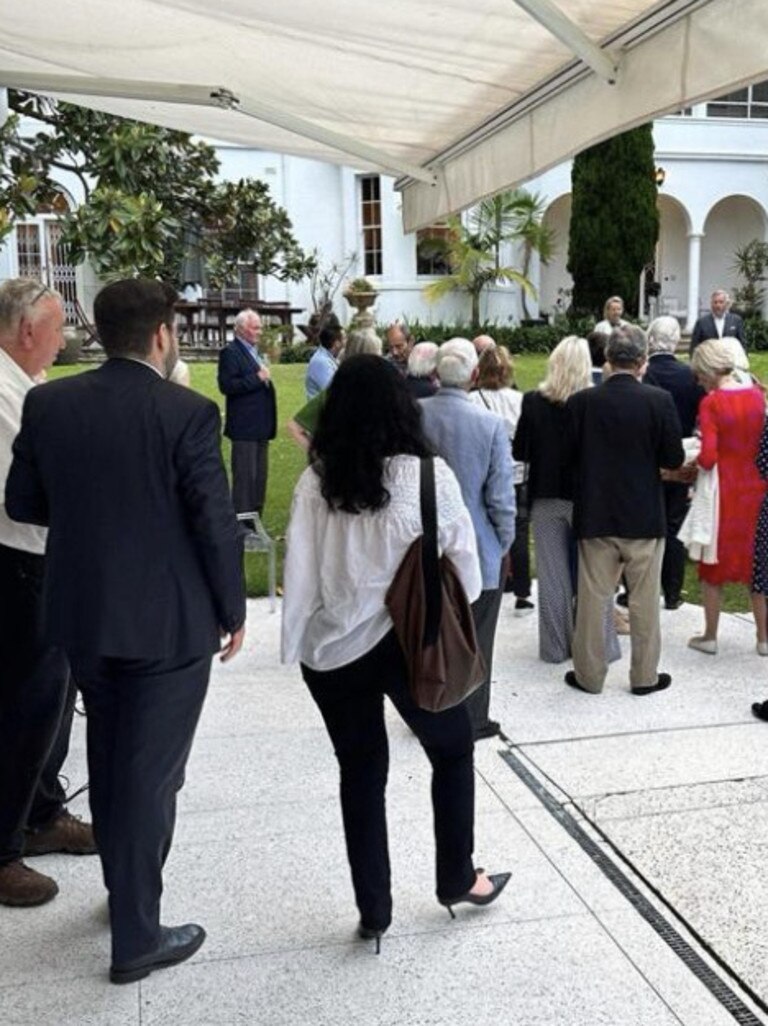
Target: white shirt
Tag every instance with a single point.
(508, 403)
(14, 385)
(606, 328)
(339, 566)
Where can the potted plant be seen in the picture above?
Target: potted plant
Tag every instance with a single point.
(360, 294)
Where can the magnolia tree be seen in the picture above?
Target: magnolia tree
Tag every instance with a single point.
(151, 197)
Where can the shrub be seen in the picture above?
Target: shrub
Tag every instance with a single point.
(756, 332)
(296, 352)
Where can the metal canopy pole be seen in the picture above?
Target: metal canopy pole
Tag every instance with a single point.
(602, 62)
(211, 96)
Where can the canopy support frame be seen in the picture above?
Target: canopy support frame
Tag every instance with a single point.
(550, 17)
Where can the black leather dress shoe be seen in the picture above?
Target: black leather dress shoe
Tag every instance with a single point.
(662, 681)
(572, 681)
(673, 603)
(760, 709)
(177, 944)
(490, 729)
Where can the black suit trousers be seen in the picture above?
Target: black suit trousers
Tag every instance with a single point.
(676, 505)
(351, 701)
(33, 690)
(142, 716)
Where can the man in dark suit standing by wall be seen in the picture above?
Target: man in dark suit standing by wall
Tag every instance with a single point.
(143, 578)
(251, 412)
(719, 323)
(623, 432)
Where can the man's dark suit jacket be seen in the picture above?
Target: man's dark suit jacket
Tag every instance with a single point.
(623, 432)
(251, 413)
(704, 329)
(667, 372)
(144, 555)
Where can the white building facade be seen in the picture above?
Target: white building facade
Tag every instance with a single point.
(714, 198)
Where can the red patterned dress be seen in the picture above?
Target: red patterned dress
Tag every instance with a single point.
(731, 422)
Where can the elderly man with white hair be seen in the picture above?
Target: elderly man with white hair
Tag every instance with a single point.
(665, 371)
(475, 445)
(421, 378)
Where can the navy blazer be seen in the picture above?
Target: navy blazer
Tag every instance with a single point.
(704, 329)
(144, 555)
(667, 372)
(251, 410)
(622, 433)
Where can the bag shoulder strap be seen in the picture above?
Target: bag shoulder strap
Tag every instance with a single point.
(429, 557)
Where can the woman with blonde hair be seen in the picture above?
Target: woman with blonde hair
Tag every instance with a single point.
(495, 390)
(541, 441)
(731, 419)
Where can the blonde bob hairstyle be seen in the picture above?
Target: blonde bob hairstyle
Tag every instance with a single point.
(569, 369)
(494, 369)
(713, 360)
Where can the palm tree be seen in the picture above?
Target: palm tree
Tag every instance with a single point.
(472, 255)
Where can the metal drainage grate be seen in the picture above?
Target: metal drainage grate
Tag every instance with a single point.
(714, 984)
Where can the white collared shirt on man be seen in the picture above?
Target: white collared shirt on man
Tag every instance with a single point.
(14, 385)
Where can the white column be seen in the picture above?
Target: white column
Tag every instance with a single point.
(694, 273)
(3, 106)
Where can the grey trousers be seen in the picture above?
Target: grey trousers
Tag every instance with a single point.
(600, 562)
(553, 539)
(250, 464)
(485, 613)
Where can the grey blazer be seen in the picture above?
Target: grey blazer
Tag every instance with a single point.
(475, 445)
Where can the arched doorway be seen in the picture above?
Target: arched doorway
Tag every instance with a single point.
(731, 223)
(672, 257)
(39, 253)
(555, 282)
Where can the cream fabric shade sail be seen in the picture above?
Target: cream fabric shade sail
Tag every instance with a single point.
(460, 98)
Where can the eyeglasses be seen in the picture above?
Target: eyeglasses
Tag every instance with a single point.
(39, 295)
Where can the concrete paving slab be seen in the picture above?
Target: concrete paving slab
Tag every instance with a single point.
(645, 761)
(531, 974)
(710, 864)
(75, 1001)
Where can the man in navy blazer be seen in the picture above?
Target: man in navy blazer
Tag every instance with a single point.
(719, 323)
(144, 577)
(251, 412)
(623, 433)
(665, 371)
(475, 445)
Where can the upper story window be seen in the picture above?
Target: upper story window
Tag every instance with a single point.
(430, 251)
(751, 102)
(370, 210)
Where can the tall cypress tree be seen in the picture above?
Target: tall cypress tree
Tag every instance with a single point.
(614, 220)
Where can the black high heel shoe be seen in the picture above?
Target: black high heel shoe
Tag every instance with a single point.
(368, 933)
(499, 882)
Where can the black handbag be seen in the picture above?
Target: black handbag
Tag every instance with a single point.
(432, 617)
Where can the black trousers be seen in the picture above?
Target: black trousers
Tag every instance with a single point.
(250, 465)
(485, 613)
(142, 716)
(351, 701)
(33, 692)
(519, 577)
(676, 505)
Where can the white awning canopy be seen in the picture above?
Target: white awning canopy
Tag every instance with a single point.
(459, 98)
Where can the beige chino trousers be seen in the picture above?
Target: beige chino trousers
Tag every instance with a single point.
(601, 560)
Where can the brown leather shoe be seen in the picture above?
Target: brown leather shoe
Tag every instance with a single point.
(20, 885)
(66, 834)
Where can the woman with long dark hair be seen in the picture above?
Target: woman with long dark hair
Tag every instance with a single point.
(355, 513)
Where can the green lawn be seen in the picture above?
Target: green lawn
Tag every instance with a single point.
(287, 461)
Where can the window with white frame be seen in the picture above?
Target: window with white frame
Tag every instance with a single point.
(751, 102)
(370, 217)
(431, 257)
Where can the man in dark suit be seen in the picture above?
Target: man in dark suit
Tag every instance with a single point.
(665, 371)
(144, 577)
(623, 432)
(251, 413)
(719, 323)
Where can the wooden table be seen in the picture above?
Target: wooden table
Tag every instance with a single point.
(207, 314)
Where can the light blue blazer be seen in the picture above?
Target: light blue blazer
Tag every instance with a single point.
(475, 444)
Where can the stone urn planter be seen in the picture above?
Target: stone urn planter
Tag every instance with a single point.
(73, 346)
(361, 295)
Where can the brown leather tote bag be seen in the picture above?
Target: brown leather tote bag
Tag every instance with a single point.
(432, 617)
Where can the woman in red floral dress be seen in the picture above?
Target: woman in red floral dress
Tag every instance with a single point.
(731, 418)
